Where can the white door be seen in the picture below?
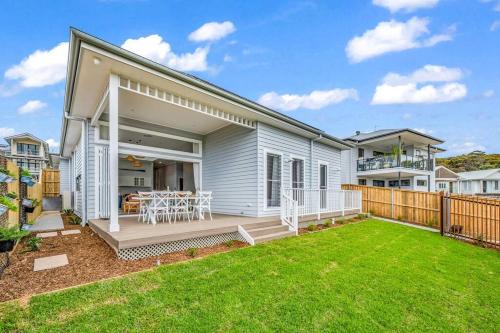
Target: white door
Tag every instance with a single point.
(323, 184)
(102, 186)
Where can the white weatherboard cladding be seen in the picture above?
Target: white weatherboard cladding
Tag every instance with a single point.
(65, 175)
(289, 145)
(230, 171)
(91, 170)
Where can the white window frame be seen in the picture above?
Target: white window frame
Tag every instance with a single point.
(327, 164)
(274, 152)
(155, 133)
(301, 158)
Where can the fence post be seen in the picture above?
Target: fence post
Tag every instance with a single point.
(392, 203)
(443, 214)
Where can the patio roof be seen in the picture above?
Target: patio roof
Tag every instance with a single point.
(84, 88)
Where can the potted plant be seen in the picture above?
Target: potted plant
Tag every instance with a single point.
(8, 203)
(30, 205)
(11, 195)
(6, 176)
(9, 236)
(27, 178)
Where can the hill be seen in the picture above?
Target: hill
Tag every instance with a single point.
(476, 160)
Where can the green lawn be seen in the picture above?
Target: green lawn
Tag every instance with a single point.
(370, 276)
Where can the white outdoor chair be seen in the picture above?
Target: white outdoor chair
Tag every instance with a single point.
(202, 205)
(180, 205)
(143, 206)
(160, 206)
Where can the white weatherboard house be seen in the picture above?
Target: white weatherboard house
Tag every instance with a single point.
(397, 158)
(133, 125)
(481, 182)
(446, 180)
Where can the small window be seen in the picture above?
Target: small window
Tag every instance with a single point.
(379, 183)
(393, 183)
(273, 180)
(361, 181)
(361, 153)
(496, 184)
(139, 181)
(297, 173)
(421, 182)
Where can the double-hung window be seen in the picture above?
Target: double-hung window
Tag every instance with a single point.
(273, 180)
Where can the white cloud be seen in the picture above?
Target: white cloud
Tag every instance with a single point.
(405, 5)
(228, 58)
(31, 106)
(424, 130)
(394, 36)
(41, 68)
(408, 89)
(6, 131)
(53, 144)
(495, 26)
(155, 48)
(411, 94)
(407, 116)
(428, 73)
(465, 147)
(212, 31)
(489, 93)
(317, 99)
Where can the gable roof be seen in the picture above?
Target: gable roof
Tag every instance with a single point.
(360, 137)
(77, 37)
(443, 172)
(27, 135)
(479, 174)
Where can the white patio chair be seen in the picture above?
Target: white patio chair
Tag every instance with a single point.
(144, 205)
(180, 205)
(202, 205)
(160, 207)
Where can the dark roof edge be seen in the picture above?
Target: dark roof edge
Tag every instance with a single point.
(397, 132)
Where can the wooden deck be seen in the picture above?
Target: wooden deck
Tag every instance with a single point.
(134, 234)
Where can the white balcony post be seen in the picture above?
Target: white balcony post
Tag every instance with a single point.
(113, 152)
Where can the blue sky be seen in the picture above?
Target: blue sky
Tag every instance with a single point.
(342, 66)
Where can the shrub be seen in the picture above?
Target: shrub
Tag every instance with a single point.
(74, 219)
(7, 202)
(371, 212)
(25, 173)
(229, 243)
(192, 252)
(12, 195)
(312, 227)
(68, 211)
(362, 216)
(328, 223)
(341, 221)
(34, 243)
(400, 218)
(12, 233)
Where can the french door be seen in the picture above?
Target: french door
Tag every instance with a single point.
(323, 185)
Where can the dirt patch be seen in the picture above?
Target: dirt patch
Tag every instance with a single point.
(338, 223)
(90, 259)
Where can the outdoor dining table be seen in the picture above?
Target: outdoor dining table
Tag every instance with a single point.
(147, 199)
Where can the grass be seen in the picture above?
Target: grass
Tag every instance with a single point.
(370, 276)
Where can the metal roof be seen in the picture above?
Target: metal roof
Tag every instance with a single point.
(479, 174)
(385, 132)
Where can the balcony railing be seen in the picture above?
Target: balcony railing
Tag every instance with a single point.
(388, 162)
(29, 152)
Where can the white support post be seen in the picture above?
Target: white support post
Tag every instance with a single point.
(113, 152)
(342, 201)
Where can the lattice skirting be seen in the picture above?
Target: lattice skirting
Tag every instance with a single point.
(180, 245)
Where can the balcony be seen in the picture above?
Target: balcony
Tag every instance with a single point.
(28, 152)
(390, 162)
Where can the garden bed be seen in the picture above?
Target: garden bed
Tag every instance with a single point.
(90, 259)
(327, 224)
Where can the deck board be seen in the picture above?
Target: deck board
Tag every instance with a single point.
(134, 233)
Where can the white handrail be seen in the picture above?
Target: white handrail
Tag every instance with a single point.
(302, 202)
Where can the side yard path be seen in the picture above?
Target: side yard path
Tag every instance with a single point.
(369, 276)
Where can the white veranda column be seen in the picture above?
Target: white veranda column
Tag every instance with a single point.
(113, 152)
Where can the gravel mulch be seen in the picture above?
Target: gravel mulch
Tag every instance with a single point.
(90, 259)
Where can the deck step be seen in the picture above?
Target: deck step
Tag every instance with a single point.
(267, 230)
(272, 236)
(259, 225)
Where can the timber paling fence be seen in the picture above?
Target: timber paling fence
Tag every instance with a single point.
(466, 217)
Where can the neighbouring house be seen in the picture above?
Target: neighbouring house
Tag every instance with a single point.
(133, 125)
(397, 158)
(446, 180)
(28, 152)
(481, 182)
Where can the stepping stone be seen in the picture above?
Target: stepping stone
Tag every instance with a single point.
(70, 232)
(46, 234)
(50, 262)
